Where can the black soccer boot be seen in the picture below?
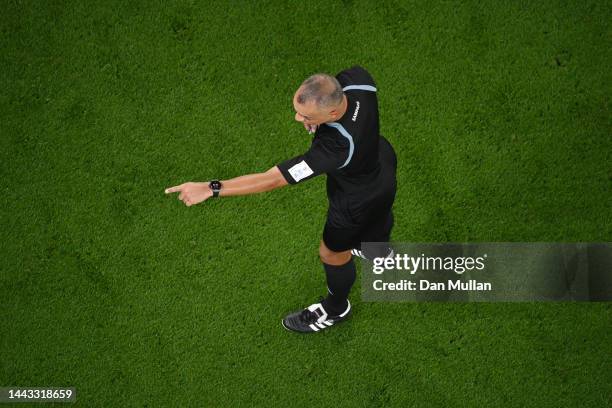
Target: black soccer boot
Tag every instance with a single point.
(313, 319)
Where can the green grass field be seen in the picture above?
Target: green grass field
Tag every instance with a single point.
(499, 112)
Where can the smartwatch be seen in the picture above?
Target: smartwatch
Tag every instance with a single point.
(215, 187)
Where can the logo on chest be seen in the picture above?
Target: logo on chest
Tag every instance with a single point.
(356, 112)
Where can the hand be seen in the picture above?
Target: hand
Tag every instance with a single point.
(311, 128)
(191, 193)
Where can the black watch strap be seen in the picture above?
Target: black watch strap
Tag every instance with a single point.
(215, 187)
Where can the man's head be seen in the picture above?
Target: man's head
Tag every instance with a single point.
(319, 99)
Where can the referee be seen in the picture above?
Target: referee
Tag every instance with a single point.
(360, 164)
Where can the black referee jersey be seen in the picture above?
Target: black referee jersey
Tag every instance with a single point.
(360, 164)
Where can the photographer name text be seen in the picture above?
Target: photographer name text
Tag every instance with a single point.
(425, 285)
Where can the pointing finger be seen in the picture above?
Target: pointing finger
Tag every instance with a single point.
(173, 189)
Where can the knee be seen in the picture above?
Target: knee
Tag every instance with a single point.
(330, 257)
(325, 254)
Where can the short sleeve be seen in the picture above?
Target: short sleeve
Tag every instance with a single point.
(326, 154)
(355, 75)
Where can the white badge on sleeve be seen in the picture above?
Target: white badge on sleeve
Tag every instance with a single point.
(300, 171)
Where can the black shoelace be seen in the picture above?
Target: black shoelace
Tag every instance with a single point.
(308, 317)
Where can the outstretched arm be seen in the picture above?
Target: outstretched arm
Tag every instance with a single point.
(192, 193)
(253, 183)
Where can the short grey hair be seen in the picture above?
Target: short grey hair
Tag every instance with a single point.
(323, 89)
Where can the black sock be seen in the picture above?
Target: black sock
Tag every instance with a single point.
(340, 278)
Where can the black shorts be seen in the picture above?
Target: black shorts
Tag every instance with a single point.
(354, 218)
(340, 239)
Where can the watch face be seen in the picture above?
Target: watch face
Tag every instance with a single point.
(215, 185)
